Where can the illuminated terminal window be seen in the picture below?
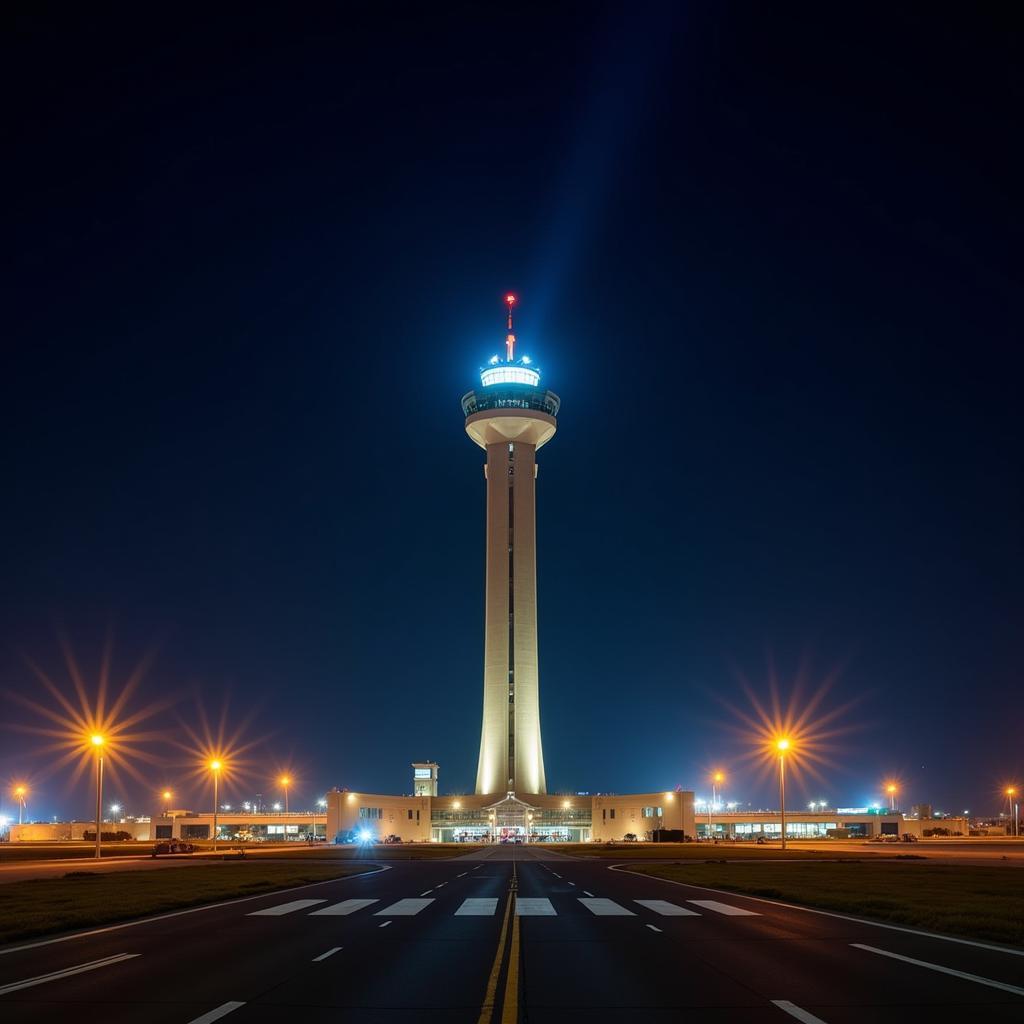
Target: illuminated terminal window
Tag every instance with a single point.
(509, 375)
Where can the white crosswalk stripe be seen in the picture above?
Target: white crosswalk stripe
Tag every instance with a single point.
(343, 908)
(665, 908)
(285, 908)
(724, 908)
(487, 906)
(480, 906)
(531, 906)
(404, 908)
(606, 908)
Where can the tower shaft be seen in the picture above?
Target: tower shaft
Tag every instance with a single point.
(511, 757)
(510, 417)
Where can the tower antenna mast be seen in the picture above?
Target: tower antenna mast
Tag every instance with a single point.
(510, 338)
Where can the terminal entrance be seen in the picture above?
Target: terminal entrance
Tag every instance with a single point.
(511, 821)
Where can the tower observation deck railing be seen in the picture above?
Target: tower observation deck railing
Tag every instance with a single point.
(510, 396)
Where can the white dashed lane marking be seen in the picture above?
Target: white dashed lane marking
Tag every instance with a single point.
(285, 908)
(221, 1011)
(1001, 985)
(795, 1011)
(343, 908)
(42, 979)
(324, 956)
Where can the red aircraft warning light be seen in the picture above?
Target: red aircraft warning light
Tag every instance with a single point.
(510, 338)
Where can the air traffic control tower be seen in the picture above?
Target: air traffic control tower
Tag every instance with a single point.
(510, 416)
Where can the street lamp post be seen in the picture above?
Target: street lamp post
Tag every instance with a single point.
(1012, 809)
(167, 796)
(322, 804)
(19, 792)
(891, 790)
(285, 783)
(215, 767)
(782, 746)
(716, 780)
(97, 742)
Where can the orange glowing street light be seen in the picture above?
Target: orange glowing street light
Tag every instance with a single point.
(285, 781)
(167, 794)
(717, 778)
(215, 767)
(97, 740)
(892, 789)
(20, 792)
(782, 745)
(1010, 793)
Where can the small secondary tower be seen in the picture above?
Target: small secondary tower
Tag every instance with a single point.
(510, 417)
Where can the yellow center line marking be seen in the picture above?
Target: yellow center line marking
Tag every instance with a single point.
(487, 1008)
(510, 1004)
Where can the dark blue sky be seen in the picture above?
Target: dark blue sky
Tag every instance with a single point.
(770, 261)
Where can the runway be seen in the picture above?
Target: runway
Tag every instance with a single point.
(509, 934)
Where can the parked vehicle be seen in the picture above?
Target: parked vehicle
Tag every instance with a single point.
(172, 846)
(392, 839)
(908, 837)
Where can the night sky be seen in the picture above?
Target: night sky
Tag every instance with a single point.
(770, 259)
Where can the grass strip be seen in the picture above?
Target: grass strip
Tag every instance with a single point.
(689, 851)
(14, 853)
(80, 899)
(379, 852)
(966, 900)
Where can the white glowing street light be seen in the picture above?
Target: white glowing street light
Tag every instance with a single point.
(322, 804)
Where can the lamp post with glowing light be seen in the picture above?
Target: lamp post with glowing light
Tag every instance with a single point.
(20, 792)
(322, 804)
(285, 781)
(167, 796)
(215, 767)
(716, 780)
(891, 790)
(97, 743)
(782, 746)
(1012, 808)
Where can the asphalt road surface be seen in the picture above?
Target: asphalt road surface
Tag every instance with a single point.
(510, 934)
